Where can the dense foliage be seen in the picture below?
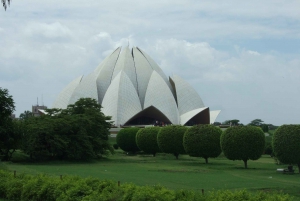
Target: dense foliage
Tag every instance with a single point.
(7, 104)
(286, 144)
(126, 139)
(146, 140)
(10, 136)
(203, 141)
(243, 143)
(268, 145)
(41, 187)
(170, 139)
(79, 132)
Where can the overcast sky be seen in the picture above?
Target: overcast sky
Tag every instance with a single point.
(242, 57)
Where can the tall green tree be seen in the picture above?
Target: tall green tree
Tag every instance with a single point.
(146, 140)
(286, 144)
(79, 132)
(170, 139)
(243, 143)
(9, 134)
(203, 141)
(7, 104)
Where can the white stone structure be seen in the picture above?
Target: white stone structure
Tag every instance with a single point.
(132, 88)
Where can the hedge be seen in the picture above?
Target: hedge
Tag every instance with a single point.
(203, 141)
(126, 139)
(243, 143)
(146, 140)
(46, 188)
(286, 144)
(170, 139)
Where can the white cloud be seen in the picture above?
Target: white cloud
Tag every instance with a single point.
(52, 30)
(46, 44)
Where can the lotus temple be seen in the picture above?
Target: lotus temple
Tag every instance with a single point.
(134, 90)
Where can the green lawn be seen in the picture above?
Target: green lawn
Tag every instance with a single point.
(185, 173)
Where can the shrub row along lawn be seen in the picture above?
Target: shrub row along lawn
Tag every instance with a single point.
(46, 188)
(189, 173)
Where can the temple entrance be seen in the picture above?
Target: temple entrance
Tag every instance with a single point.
(149, 116)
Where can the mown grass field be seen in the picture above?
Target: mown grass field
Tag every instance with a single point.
(164, 169)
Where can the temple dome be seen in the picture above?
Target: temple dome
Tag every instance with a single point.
(133, 89)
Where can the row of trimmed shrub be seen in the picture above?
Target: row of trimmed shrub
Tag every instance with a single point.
(72, 188)
(206, 141)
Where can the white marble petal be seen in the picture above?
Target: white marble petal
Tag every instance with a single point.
(155, 67)
(87, 88)
(121, 100)
(64, 97)
(160, 96)
(187, 116)
(143, 72)
(125, 62)
(213, 115)
(105, 74)
(187, 97)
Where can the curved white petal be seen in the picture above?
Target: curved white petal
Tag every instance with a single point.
(213, 115)
(184, 118)
(187, 97)
(63, 99)
(121, 100)
(86, 89)
(160, 96)
(105, 74)
(125, 62)
(143, 72)
(155, 67)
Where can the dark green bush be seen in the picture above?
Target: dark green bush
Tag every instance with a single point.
(268, 145)
(170, 139)
(146, 140)
(203, 141)
(126, 139)
(243, 143)
(115, 146)
(41, 187)
(286, 144)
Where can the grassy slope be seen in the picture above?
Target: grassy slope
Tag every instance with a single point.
(187, 172)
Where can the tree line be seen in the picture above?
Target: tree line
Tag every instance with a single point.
(79, 132)
(208, 141)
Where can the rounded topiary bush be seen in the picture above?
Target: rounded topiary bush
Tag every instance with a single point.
(126, 139)
(286, 144)
(170, 139)
(146, 140)
(203, 141)
(243, 143)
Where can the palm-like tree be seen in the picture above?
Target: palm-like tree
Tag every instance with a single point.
(5, 3)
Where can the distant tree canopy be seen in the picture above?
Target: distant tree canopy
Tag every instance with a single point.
(79, 132)
(26, 115)
(256, 122)
(234, 122)
(259, 123)
(4, 3)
